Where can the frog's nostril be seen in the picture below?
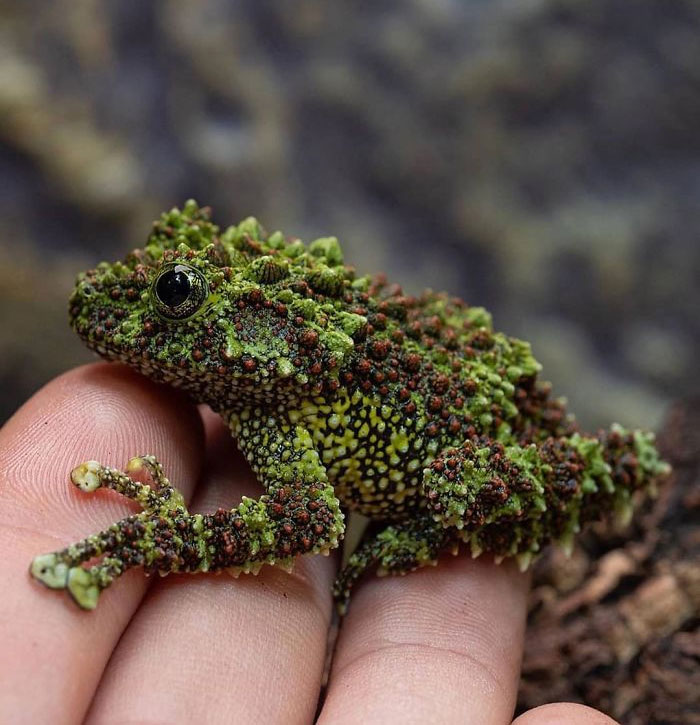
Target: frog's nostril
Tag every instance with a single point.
(87, 290)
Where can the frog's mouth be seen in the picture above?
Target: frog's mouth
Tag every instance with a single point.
(111, 342)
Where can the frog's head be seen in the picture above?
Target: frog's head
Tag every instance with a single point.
(230, 317)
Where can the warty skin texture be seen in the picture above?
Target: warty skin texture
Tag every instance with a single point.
(342, 393)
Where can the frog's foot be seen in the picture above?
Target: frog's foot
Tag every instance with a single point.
(397, 549)
(114, 550)
(91, 475)
(84, 585)
(163, 538)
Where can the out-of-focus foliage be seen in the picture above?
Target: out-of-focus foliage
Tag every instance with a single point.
(541, 158)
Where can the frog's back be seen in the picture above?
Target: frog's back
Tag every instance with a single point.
(442, 356)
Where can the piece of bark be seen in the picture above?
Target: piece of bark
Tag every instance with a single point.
(617, 625)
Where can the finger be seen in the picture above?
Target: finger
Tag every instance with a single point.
(53, 652)
(438, 645)
(563, 712)
(245, 650)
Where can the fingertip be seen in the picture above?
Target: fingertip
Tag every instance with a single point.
(458, 593)
(564, 712)
(442, 643)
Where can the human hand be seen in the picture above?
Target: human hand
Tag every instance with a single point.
(440, 645)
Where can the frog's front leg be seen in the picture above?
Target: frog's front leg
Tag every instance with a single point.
(299, 514)
(159, 538)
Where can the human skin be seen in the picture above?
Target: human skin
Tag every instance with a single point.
(440, 645)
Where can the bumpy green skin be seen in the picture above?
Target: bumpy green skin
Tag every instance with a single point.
(342, 392)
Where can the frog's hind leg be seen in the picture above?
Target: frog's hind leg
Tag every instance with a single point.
(397, 549)
(494, 497)
(512, 500)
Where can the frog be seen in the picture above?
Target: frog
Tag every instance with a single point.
(344, 394)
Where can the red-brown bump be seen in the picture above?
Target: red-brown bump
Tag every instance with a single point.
(431, 430)
(379, 321)
(363, 366)
(380, 349)
(441, 383)
(434, 403)
(412, 362)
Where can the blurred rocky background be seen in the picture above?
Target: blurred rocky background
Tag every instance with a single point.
(539, 157)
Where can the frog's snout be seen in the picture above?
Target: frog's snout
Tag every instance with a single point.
(82, 292)
(80, 296)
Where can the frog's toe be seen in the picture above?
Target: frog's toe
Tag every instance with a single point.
(50, 571)
(83, 587)
(87, 476)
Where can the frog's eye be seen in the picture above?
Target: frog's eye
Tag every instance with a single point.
(179, 291)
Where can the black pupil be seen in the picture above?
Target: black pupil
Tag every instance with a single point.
(173, 287)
